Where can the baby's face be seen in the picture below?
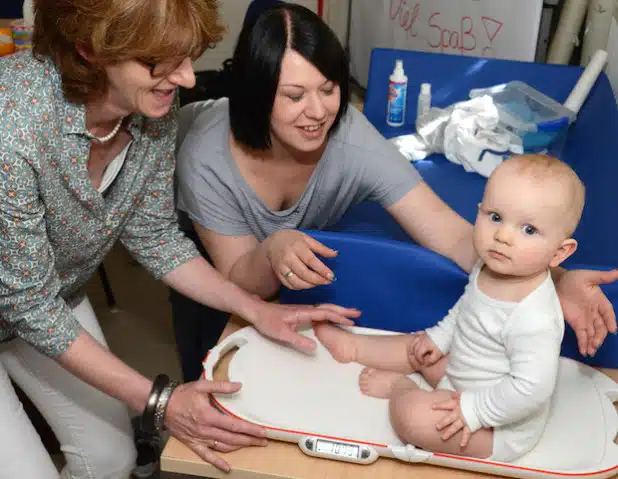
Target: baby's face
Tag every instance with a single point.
(520, 224)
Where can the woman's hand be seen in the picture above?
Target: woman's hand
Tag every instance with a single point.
(191, 418)
(280, 321)
(292, 255)
(586, 308)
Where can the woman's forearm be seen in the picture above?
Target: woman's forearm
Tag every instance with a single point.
(434, 225)
(97, 366)
(464, 253)
(253, 272)
(200, 281)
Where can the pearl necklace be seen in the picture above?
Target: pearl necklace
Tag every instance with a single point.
(106, 138)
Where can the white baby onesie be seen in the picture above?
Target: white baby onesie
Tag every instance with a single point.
(504, 358)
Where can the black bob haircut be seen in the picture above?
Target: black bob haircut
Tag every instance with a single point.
(256, 66)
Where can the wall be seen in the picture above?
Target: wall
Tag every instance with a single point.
(336, 14)
(232, 15)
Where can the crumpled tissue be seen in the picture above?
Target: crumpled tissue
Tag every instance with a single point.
(468, 133)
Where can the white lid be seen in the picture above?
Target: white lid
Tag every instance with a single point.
(398, 73)
(426, 88)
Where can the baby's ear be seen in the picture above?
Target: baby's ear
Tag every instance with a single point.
(566, 249)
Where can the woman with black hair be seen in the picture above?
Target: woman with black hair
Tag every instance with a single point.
(287, 152)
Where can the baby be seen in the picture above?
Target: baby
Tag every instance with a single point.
(493, 360)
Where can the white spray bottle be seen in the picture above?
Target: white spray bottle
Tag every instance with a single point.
(424, 100)
(397, 89)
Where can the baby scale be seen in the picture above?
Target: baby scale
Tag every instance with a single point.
(315, 402)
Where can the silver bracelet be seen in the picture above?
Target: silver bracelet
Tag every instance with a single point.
(162, 405)
(147, 420)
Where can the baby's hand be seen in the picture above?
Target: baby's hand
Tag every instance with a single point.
(423, 352)
(453, 421)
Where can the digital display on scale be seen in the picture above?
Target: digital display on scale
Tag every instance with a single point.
(337, 448)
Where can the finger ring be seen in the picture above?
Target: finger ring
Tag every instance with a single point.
(288, 275)
(214, 444)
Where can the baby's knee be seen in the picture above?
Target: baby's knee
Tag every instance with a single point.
(407, 414)
(412, 415)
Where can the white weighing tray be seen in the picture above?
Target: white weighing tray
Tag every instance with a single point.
(295, 396)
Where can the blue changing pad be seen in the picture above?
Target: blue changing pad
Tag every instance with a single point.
(402, 287)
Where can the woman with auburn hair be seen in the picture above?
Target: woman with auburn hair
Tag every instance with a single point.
(87, 130)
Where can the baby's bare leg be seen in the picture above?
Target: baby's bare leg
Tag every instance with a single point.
(414, 421)
(379, 382)
(382, 352)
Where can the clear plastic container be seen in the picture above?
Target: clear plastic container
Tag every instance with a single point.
(540, 121)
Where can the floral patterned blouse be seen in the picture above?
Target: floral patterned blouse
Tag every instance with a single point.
(55, 226)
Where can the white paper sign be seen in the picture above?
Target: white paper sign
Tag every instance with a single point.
(484, 28)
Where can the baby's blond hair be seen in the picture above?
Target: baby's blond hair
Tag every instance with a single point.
(548, 168)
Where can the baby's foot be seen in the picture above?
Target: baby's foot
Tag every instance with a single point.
(378, 383)
(338, 342)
